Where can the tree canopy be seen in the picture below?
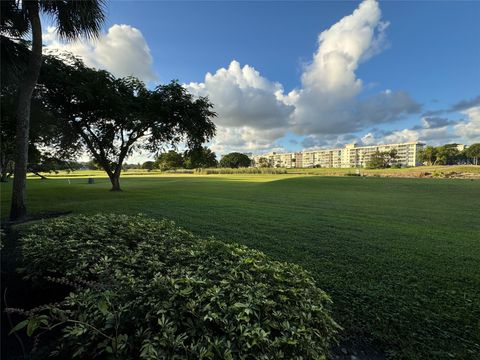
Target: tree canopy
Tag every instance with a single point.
(382, 159)
(112, 117)
(235, 160)
(169, 160)
(428, 155)
(201, 157)
(148, 165)
(473, 153)
(447, 154)
(45, 133)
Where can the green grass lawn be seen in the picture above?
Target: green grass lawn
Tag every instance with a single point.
(399, 257)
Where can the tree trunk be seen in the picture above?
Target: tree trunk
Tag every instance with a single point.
(115, 176)
(3, 168)
(26, 87)
(115, 179)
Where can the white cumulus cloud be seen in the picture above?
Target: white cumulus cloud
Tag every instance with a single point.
(246, 139)
(243, 97)
(327, 102)
(251, 113)
(122, 50)
(469, 129)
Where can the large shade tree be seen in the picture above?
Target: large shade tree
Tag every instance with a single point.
(19, 18)
(114, 117)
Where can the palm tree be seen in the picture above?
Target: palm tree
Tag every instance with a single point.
(74, 19)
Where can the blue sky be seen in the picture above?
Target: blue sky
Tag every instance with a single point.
(414, 58)
(434, 50)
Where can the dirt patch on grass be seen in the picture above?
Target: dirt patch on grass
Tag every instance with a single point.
(429, 175)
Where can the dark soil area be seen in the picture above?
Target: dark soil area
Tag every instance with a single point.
(20, 293)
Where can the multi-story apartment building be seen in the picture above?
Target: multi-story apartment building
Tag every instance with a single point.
(274, 159)
(349, 156)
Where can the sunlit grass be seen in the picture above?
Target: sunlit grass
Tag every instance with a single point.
(415, 171)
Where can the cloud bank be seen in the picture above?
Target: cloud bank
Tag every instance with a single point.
(434, 130)
(327, 102)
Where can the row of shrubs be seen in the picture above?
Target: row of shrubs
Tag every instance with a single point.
(146, 289)
(179, 171)
(249, 170)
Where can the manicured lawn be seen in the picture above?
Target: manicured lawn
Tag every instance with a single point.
(399, 257)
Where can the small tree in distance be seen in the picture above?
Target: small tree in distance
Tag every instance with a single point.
(447, 154)
(169, 160)
(473, 153)
(200, 158)
(428, 155)
(383, 159)
(148, 165)
(264, 163)
(235, 160)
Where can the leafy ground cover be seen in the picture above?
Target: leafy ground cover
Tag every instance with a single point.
(399, 257)
(195, 298)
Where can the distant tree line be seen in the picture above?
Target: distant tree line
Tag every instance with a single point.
(196, 158)
(200, 157)
(449, 154)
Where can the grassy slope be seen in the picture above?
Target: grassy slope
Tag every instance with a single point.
(414, 172)
(398, 256)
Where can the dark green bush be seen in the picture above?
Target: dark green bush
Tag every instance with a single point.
(145, 289)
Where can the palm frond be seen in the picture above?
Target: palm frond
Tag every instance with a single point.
(14, 57)
(76, 18)
(13, 19)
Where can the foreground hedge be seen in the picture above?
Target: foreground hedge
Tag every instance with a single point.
(149, 290)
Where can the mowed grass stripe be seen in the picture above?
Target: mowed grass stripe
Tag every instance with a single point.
(398, 256)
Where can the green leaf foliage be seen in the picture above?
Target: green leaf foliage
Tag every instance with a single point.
(154, 291)
(235, 160)
(169, 160)
(200, 157)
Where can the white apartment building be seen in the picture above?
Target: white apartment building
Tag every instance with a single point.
(274, 159)
(349, 156)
